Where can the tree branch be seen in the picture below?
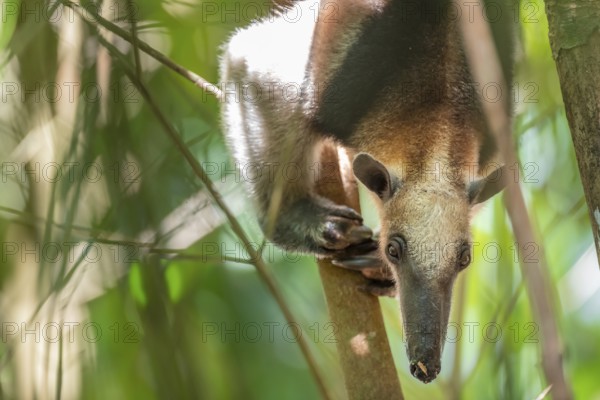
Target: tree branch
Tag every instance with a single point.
(485, 67)
(362, 343)
(143, 46)
(199, 171)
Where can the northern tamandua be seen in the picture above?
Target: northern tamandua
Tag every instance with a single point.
(387, 79)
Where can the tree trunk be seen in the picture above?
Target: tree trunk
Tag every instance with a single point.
(575, 41)
(362, 344)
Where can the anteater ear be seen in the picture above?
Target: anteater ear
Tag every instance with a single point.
(483, 189)
(375, 176)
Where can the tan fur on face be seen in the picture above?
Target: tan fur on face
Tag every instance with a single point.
(434, 224)
(434, 158)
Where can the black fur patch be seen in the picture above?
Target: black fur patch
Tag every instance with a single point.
(403, 45)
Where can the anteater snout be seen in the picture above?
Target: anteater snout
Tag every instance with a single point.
(425, 371)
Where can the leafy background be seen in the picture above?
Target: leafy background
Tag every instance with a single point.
(132, 252)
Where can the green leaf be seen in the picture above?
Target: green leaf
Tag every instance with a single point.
(9, 14)
(136, 285)
(174, 283)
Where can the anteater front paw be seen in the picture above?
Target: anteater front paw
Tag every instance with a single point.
(379, 278)
(339, 228)
(319, 226)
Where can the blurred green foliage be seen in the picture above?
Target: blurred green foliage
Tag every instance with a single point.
(186, 325)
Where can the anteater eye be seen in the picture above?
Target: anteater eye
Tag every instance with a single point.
(465, 256)
(396, 248)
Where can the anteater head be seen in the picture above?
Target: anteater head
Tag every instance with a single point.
(425, 240)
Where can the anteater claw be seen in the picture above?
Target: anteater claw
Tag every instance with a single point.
(347, 212)
(360, 233)
(358, 263)
(370, 265)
